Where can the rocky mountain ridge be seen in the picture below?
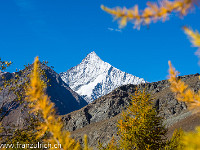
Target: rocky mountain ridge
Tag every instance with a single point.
(93, 77)
(98, 119)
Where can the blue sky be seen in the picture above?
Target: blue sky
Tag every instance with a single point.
(63, 32)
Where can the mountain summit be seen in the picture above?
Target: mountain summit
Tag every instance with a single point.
(93, 77)
(91, 57)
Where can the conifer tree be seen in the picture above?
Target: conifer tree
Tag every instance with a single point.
(141, 127)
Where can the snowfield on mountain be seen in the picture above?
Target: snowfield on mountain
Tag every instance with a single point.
(93, 78)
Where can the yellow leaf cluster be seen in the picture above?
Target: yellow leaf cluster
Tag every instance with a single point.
(190, 140)
(4, 64)
(194, 36)
(51, 123)
(152, 12)
(86, 147)
(183, 93)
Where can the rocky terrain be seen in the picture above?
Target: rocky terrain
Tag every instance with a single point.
(98, 119)
(64, 98)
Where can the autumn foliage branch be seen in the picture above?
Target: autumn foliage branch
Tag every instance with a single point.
(4, 64)
(183, 93)
(152, 12)
(51, 123)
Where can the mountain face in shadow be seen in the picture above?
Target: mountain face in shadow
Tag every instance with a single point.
(64, 98)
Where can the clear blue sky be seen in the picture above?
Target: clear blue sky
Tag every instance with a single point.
(63, 32)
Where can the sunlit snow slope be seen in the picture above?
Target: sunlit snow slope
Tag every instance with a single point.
(93, 78)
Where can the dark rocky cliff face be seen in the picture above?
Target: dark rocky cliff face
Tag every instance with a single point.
(98, 119)
(65, 99)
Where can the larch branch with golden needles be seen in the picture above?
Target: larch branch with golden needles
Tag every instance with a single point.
(183, 93)
(194, 36)
(190, 140)
(152, 12)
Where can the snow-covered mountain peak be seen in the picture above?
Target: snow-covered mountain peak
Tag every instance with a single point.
(91, 58)
(93, 77)
(91, 55)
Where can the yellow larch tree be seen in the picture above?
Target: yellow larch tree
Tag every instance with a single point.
(140, 126)
(50, 122)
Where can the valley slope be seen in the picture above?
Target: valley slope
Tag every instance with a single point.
(98, 119)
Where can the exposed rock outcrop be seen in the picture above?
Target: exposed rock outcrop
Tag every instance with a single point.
(98, 119)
